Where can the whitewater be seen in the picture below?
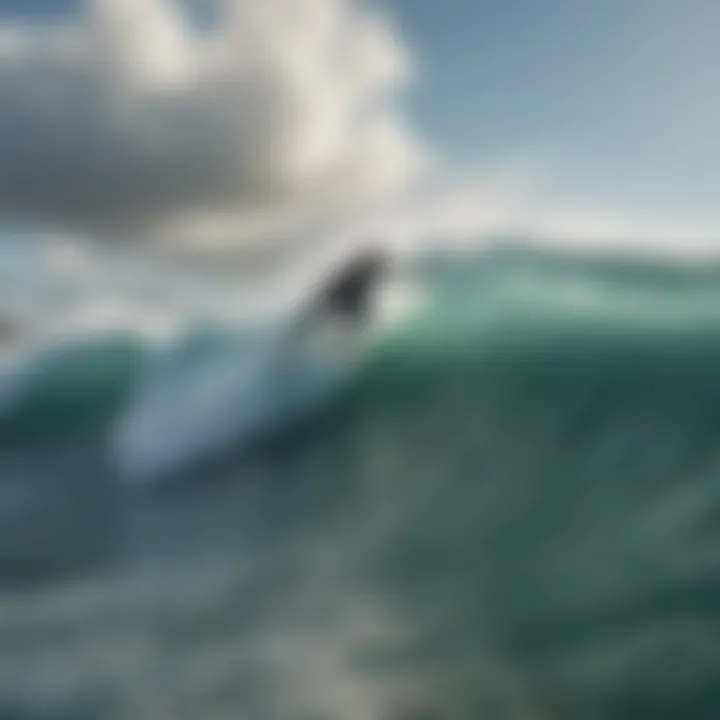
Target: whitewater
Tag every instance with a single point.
(508, 510)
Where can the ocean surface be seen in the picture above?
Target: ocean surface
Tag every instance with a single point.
(511, 513)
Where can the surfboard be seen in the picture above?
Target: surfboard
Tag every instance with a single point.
(219, 390)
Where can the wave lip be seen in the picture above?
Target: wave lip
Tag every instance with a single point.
(66, 377)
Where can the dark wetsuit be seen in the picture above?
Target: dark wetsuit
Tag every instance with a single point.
(345, 298)
(349, 294)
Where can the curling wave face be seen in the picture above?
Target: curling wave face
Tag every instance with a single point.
(509, 512)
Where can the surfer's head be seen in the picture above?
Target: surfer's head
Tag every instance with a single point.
(370, 262)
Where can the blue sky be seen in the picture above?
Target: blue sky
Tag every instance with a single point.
(618, 99)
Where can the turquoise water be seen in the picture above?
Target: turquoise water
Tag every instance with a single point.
(512, 513)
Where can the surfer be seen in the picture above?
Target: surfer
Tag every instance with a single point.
(194, 412)
(348, 294)
(336, 312)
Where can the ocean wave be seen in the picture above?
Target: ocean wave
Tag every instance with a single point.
(510, 512)
(507, 313)
(50, 386)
